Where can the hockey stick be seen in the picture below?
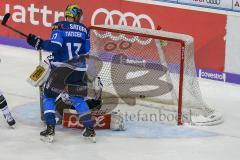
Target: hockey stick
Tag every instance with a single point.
(41, 91)
(4, 23)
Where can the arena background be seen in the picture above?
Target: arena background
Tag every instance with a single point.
(216, 33)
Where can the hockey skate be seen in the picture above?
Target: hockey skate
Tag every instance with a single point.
(89, 133)
(10, 120)
(48, 134)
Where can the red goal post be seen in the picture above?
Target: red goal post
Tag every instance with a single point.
(173, 51)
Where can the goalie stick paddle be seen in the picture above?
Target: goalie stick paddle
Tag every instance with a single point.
(4, 23)
(41, 92)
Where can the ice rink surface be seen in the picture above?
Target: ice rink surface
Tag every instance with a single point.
(141, 141)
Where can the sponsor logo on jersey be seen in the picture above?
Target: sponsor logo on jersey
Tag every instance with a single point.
(54, 27)
(78, 27)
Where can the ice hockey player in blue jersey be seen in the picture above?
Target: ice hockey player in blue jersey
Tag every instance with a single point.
(69, 39)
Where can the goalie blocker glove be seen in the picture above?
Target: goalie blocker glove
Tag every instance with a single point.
(40, 74)
(34, 41)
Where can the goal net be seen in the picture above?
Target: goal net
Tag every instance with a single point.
(150, 67)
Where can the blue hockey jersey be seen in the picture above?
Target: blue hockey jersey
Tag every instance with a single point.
(68, 40)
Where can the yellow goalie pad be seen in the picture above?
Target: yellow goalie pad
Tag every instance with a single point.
(39, 75)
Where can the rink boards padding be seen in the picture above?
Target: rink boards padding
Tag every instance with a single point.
(208, 29)
(208, 73)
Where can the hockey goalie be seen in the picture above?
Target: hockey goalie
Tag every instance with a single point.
(54, 80)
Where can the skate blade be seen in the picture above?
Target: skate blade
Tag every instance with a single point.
(90, 139)
(48, 139)
(12, 127)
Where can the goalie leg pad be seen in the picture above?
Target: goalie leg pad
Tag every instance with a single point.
(63, 102)
(118, 122)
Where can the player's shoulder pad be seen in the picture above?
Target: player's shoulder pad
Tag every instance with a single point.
(59, 25)
(55, 26)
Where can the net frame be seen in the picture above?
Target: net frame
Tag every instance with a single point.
(182, 39)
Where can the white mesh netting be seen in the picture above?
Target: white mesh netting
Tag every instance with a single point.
(143, 66)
